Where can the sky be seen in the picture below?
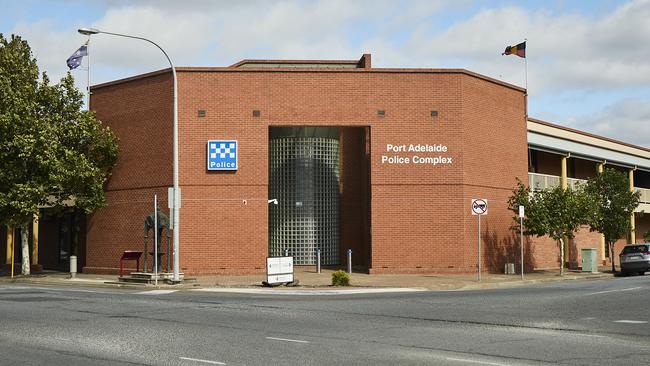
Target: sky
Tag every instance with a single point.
(588, 61)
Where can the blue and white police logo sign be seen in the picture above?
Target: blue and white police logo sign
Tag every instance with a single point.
(222, 155)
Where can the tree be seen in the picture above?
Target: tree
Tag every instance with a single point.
(614, 203)
(51, 152)
(555, 212)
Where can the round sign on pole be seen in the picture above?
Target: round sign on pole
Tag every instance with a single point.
(479, 206)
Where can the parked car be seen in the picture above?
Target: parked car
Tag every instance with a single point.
(635, 258)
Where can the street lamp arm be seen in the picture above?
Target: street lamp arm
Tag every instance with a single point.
(142, 39)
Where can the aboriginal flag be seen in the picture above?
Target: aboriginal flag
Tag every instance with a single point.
(519, 50)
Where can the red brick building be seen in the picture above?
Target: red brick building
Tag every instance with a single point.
(384, 162)
(396, 216)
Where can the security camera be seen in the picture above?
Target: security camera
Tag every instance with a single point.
(274, 201)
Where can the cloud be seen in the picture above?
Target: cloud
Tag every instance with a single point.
(209, 33)
(51, 48)
(568, 52)
(627, 120)
(563, 50)
(183, 36)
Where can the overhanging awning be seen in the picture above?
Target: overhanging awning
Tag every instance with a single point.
(590, 152)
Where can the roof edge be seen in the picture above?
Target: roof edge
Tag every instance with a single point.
(579, 132)
(363, 63)
(269, 61)
(361, 70)
(132, 78)
(314, 70)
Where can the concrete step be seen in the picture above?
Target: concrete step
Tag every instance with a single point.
(145, 277)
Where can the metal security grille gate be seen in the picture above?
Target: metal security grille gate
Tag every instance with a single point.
(304, 177)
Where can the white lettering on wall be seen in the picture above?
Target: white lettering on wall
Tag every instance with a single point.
(423, 154)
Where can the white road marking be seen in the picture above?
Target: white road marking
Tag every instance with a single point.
(474, 361)
(590, 335)
(156, 292)
(287, 340)
(61, 289)
(117, 292)
(307, 292)
(203, 361)
(631, 321)
(606, 292)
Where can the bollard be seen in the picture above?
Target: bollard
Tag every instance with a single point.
(350, 261)
(286, 252)
(73, 266)
(317, 260)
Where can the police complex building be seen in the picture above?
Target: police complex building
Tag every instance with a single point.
(384, 162)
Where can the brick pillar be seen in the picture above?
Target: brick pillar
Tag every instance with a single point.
(35, 241)
(10, 243)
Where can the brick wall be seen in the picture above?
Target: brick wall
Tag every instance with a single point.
(418, 213)
(548, 163)
(642, 221)
(583, 169)
(494, 148)
(140, 112)
(547, 252)
(355, 196)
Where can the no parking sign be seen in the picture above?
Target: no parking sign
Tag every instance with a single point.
(479, 206)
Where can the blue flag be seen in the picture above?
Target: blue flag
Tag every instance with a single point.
(75, 60)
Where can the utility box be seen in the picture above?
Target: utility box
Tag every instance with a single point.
(590, 260)
(279, 270)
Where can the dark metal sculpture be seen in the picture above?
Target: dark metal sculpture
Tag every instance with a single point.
(163, 225)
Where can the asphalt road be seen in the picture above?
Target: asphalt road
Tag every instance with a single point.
(601, 322)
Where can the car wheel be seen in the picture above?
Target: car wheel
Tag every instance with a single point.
(641, 273)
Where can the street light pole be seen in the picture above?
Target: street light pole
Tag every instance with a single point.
(177, 193)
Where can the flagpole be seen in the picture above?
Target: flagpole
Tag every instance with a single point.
(521, 244)
(526, 78)
(526, 81)
(88, 73)
(526, 72)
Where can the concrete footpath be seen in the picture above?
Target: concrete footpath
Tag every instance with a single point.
(310, 280)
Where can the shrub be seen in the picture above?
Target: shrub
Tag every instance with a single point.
(340, 278)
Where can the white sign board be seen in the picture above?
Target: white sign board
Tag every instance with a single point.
(170, 197)
(479, 206)
(279, 270)
(521, 211)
